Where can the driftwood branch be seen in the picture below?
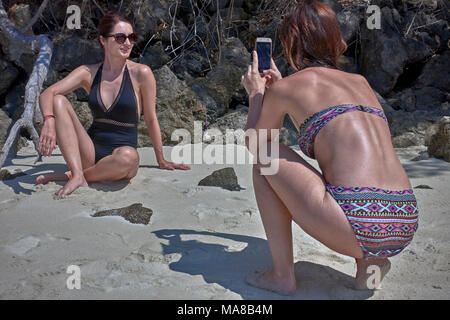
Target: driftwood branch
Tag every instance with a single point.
(34, 85)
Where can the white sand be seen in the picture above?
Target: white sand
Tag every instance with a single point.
(201, 241)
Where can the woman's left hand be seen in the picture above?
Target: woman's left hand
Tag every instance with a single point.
(167, 165)
(252, 80)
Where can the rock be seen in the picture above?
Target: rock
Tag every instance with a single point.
(19, 15)
(422, 156)
(223, 84)
(436, 72)
(385, 52)
(155, 56)
(232, 120)
(150, 17)
(440, 142)
(347, 64)
(423, 186)
(214, 5)
(5, 123)
(135, 213)
(70, 53)
(406, 139)
(411, 128)
(251, 6)
(405, 100)
(191, 64)
(175, 34)
(429, 98)
(6, 175)
(9, 74)
(349, 21)
(225, 178)
(14, 101)
(385, 104)
(177, 107)
(82, 110)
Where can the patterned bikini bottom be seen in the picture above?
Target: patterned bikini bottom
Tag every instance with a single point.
(384, 221)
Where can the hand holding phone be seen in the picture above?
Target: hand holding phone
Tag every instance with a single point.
(272, 75)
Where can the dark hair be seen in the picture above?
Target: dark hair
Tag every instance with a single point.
(108, 21)
(311, 36)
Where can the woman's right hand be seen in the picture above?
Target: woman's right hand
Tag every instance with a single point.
(47, 140)
(272, 75)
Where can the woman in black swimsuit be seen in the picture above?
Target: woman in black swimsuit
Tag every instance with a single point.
(119, 92)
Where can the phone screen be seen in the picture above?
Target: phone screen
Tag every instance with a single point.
(264, 50)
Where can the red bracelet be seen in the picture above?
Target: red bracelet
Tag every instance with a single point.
(49, 116)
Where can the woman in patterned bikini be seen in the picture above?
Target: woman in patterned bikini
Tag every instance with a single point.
(107, 152)
(362, 204)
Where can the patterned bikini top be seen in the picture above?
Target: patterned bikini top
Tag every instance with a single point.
(312, 125)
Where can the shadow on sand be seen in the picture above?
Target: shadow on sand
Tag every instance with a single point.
(30, 175)
(204, 253)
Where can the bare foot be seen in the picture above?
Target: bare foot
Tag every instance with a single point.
(370, 273)
(49, 177)
(269, 281)
(74, 183)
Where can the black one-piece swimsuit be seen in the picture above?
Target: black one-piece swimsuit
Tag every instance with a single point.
(117, 126)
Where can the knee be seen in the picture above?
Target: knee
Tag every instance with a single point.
(60, 103)
(128, 157)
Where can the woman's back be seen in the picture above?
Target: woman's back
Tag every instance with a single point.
(355, 148)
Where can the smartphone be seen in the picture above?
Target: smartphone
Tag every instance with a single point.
(264, 50)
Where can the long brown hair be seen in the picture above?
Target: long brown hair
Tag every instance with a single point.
(311, 36)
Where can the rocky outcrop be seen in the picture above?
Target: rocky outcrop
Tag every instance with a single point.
(223, 83)
(385, 53)
(177, 107)
(9, 74)
(440, 142)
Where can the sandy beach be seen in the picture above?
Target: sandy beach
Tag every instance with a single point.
(200, 243)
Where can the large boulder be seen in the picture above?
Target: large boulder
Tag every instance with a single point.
(411, 128)
(9, 74)
(191, 64)
(177, 107)
(175, 34)
(223, 84)
(436, 72)
(385, 52)
(70, 53)
(440, 142)
(14, 101)
(5, 123)
(150, 17)
(19, 15)
(155, 56)
(349, 21)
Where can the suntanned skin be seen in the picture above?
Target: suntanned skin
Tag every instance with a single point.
(73, 140)
(353, 149)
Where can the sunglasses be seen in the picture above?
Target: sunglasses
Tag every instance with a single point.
(121, 37)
